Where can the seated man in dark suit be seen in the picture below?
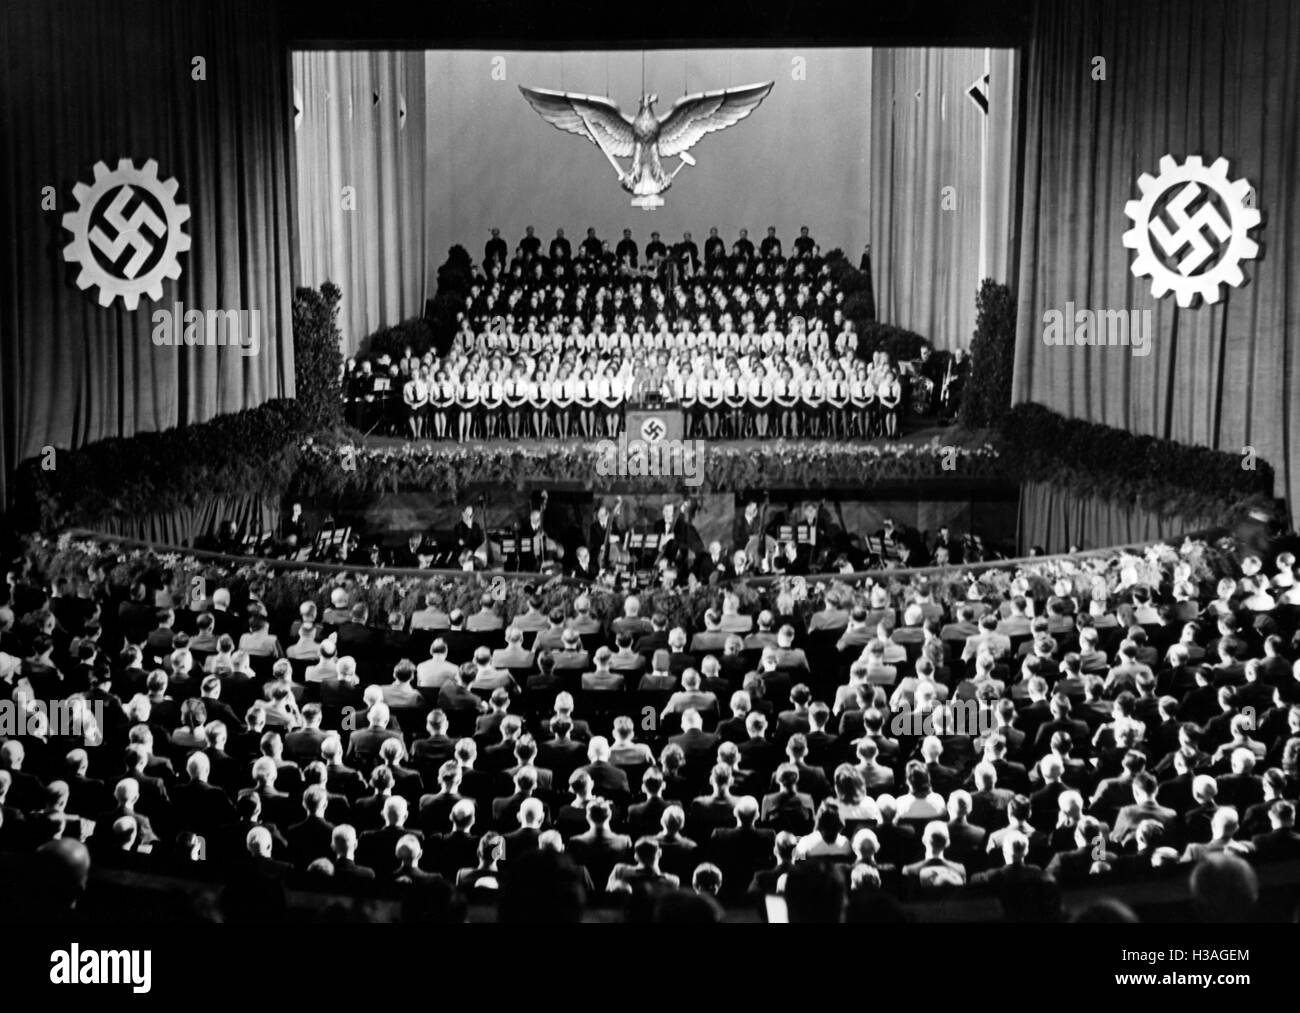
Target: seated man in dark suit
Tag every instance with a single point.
(561, 754)
(363, 744)
(347, 872)
(311, 838)
(355, 639)
(377, 849)
(599, 849)
(199, 806)
(743, 850)
(1144, 807)
(1281, 842)
(787, 808)
(697, 745)
(607, 780)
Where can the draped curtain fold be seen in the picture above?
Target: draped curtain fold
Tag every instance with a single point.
(1211, 79)
(942, 185)
(184, 526)
(203, 89)
(361, 182)
(1058, 519)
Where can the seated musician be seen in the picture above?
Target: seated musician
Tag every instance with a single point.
(810, 538)
(536, 548)
(583, 564)
(715, 562)
(605, 538)
(672, 527)
(469, 536)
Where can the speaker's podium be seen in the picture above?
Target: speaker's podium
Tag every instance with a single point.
(653, 422)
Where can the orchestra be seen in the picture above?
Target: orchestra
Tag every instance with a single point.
(799, 539)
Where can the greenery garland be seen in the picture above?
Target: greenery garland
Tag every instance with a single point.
(317, 361)
(1203, 485)
(986, 397)
(300, 445)
(337, 465)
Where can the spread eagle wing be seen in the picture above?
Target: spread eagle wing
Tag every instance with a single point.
(693, 116)
(570, 111)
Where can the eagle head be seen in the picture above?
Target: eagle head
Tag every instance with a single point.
(648, 100)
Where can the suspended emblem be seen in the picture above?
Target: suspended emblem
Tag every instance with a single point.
(645, 138)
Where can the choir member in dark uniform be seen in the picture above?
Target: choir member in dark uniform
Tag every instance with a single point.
(686, 250)
(561, 250)
(530, 244)
(496, 249)
(743, 247)
(770, 246)
(804, 245)
(714, 249)
(655, 248)
(591, 246)
(626, 248)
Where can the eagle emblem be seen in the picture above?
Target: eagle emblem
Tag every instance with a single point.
(646, 138)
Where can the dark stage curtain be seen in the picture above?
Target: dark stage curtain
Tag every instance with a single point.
(942, 178)
(362, 182)
(182, 527)
(1210, 79)
(1057, 519)
(82, 83)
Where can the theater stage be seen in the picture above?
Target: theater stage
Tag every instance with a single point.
(985, 506)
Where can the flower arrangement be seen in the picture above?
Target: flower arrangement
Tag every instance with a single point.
(334, 465)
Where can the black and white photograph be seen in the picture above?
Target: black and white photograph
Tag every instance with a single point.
(497, 464)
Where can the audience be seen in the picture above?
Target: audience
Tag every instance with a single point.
(998, 755)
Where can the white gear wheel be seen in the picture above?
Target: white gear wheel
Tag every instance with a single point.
(1238, 248)
(78, 223)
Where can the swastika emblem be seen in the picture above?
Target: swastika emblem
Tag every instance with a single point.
(653, 430)
(1191, 229)
(126, 232)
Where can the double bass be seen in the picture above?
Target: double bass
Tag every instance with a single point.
(613, 551)
(761, 546)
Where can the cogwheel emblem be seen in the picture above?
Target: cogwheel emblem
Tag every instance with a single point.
(126, 232)
(1191, 229)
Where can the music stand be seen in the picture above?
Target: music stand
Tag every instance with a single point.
(330, 540)
(806, 534)
(641, 545)
(383, 385)
(252, 544)
(785, 533)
